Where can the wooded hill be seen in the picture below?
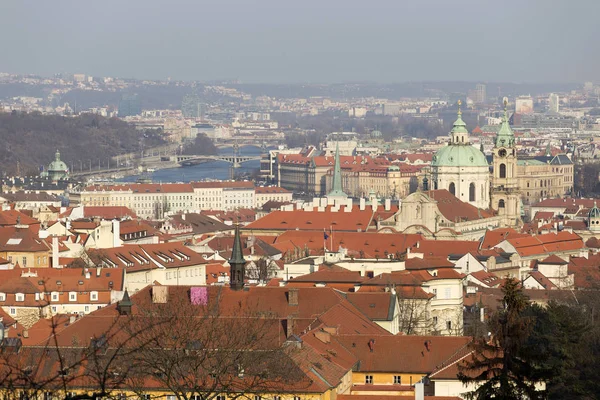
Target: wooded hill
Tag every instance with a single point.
(32, 140)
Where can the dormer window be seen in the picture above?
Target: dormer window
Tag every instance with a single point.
(94, 296)
(2, 296)
(72, 296)
(20, 297)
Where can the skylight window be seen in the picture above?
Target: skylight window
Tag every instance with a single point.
(14, 241)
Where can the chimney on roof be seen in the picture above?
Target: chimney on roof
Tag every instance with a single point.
(292, 297)
(289, 325)
(419, 391)
(98, 271)
(116, 225)
(55, 252)
(87, 274)
(362, 204)
(388, 204)
(160, 294)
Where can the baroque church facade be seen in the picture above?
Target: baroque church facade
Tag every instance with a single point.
(464, 171)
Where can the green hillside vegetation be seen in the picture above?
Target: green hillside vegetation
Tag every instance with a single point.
(32, 139)
(202, 145)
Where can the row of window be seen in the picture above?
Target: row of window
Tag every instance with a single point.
(54, 296)
(86, 309)
(397, 380)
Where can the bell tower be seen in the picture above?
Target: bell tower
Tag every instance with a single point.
(505, 190)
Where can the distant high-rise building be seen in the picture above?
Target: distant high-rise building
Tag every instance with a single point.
(191, 107)
(588, 87)
(480, 93)
(524, 105)
(553, 102)
(129, 105)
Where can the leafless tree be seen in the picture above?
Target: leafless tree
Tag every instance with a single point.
(414, 316)
(262, 269)
(191, 349)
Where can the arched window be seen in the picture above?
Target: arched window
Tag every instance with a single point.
(472, 192)
(501, 203)
(452, 188)
(502, 170)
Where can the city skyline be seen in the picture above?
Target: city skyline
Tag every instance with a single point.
(307, 42)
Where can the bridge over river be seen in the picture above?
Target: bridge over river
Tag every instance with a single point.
(187, 159)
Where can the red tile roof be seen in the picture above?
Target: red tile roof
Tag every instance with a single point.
(443, 248)
(354, 221)
(542, 280)
(494, 237)
(402, 353)
(270, 189)
(148, 256)
(378, 306)
(113, 212)
(455, 210)
(546, 243)
(553, 260)
(14, 217)
(487, 278)
(371, 244)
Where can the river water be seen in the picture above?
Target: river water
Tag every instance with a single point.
(205, 171)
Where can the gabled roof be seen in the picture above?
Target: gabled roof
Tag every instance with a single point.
(371, 244)
(553, 260)
(546, 243)
(14, 217)
(455, 210)
(542, 280)
(314, 220)
(402, 353)
(112, 212)
(148, 256)
(20, 239)
(378, 306)
(487, 278)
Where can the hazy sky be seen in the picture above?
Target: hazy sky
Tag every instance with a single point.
(305, 40)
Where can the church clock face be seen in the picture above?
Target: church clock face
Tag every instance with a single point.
(502, 152)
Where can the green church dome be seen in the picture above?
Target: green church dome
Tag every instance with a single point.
(57, 165)
(594, 212)
(459, 155)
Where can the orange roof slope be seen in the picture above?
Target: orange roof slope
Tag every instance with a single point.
(354, 221)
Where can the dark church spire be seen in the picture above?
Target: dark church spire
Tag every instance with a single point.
(237, 262)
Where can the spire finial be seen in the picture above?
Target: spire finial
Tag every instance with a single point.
(505, 101)
(459, 103)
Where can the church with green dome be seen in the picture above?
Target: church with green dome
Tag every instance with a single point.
(57, 169)
(461, 168)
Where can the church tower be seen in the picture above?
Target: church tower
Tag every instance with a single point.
(237, 264)
(505, 191)
(337, 191)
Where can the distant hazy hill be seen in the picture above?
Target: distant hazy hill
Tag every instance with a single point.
(32, 139)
